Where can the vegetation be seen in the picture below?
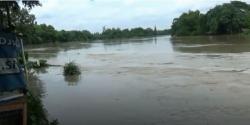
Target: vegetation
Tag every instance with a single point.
(38, 64)
(229, 18)
(9, 18)
(128, 33)
(37, 114)
(71, 69)
(32, 64)
(188, 24)
(24, 22)
(8, 8)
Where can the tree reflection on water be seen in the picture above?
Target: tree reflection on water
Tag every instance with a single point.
(72, 80)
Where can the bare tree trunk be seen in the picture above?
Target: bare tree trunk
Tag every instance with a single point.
(1, 19)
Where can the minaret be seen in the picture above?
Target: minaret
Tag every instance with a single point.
(155, 30)
(103, 29)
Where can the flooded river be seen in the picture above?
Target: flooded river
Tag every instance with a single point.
(149, 81)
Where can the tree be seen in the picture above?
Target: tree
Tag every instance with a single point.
(24, 23)
(229, 18)
(188, 24)
(128, 33)
(9, 7)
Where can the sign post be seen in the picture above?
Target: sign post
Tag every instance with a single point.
(13, 109)
(11, 73)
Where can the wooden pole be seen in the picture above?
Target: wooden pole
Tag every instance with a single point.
(27, 78)
(25, 112)
(24, 61)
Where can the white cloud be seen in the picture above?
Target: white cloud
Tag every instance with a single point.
(94, 14)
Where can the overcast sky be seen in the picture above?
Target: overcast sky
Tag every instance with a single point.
(94, 14)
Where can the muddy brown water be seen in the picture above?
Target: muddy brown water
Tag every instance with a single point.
(149, 81)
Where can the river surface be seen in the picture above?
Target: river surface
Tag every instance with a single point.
(149, 81)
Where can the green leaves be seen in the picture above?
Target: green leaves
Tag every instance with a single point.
(7, 8)
(188, 24)
(71, 69)
(128, 33)
(229, 18)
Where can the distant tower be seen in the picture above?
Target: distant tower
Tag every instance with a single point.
(155, 33)
(103, 29)
(155, 30)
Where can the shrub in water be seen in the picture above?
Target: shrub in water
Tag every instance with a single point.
(39, 64)
(43, 63)
(20, 58)
(71, 69)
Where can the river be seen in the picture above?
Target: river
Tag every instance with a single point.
(149, 81)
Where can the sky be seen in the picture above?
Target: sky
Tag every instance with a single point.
(93, 15)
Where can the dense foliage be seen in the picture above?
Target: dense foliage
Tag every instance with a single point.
(8, 7)
(46, 33)
(37, 114)
(134, 32)
(25, 23)
(33, 33)
(71, 69)
(190, 23)
(229, 18)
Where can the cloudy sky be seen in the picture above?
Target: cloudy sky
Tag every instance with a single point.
(94, 14)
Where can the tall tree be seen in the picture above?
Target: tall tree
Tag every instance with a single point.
(188, 24)
(9, 7)
(228, 18)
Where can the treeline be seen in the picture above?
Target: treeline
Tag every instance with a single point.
(134, 32)
(34, 33)
(25, 23)
(46, 33)
(229, 18)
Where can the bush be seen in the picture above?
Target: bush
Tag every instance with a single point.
(20, 58)
(71, 69)
(43, 63)
(38, 64)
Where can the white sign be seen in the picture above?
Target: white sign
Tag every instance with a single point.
(8, 66)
